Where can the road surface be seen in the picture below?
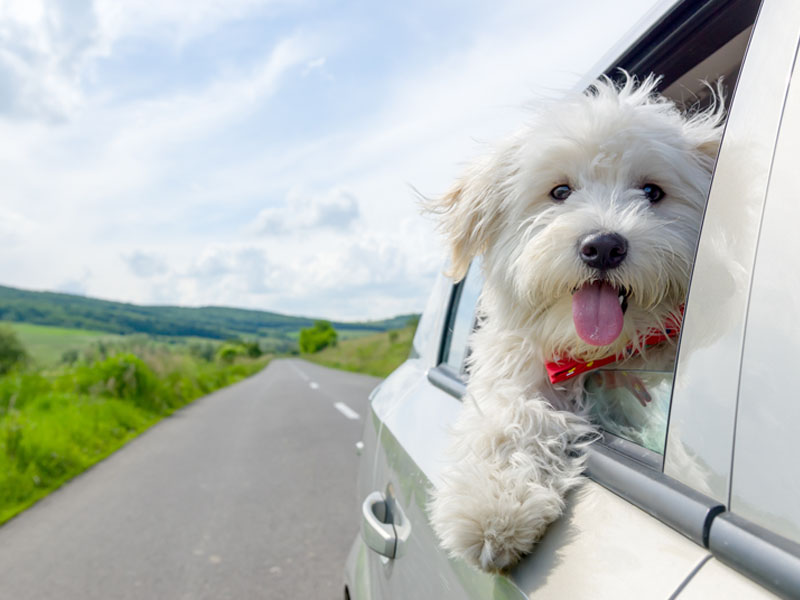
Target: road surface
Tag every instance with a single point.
(246, 493)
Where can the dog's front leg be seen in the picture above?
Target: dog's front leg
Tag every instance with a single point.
(514, 461)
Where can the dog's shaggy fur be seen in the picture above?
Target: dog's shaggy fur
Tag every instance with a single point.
(517, 443)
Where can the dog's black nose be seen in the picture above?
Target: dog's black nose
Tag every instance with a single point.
(604, 251)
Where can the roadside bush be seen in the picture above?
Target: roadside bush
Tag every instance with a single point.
(123, 376)
(314, 339)
(18, 389)
(230, 351)
(12, 352)
(253, 349)
(203, 350)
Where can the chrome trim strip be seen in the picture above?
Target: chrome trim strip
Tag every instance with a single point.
(647, 457)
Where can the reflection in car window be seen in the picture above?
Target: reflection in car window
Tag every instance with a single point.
(631, 404)
(464, 320)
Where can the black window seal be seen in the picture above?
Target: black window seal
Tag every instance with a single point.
(689, 23)
(764, 556)
(452, 307)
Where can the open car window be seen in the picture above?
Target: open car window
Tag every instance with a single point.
(632, 404)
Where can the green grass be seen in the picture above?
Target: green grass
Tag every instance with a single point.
(56, 424)
(353, 334)
(377, 354)
(46, 344)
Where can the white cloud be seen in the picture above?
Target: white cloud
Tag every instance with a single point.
(15, 227)
(336, 210)
(317, 63)
(233, 271)
(48, 48)
(76, 285)
(176, 20)
(43, 52)
(145, 265)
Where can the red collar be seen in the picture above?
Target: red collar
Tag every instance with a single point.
(567, 368)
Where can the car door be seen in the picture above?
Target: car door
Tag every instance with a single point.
(640, 527)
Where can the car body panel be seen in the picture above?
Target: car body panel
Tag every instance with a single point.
(768, 410)
(602, 547)
(702, 417)
(716, 580)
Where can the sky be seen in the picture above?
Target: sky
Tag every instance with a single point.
(262, 154)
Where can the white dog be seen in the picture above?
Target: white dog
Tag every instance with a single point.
(587, 222)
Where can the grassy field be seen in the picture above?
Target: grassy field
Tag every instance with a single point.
(377, 354)
(57, 422)
(47, 345)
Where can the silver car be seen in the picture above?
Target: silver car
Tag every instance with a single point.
(711, 509)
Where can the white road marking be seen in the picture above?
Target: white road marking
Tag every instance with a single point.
(299, 372)
(340, 406)
(346, 410)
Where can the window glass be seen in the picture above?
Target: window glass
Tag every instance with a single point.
(463, 321)
(631, 404)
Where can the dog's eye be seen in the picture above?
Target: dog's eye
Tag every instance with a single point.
(653, 192)
(560, 192)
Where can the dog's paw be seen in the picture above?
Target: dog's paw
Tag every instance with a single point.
(492, 527)
(498, 548)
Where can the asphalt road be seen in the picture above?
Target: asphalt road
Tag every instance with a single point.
(246, 493)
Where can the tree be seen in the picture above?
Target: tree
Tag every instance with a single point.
(314, 339)
(12, 352)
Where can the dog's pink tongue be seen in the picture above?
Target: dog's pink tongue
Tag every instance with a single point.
(597, 314)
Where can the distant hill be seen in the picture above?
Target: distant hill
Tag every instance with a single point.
(67, 310)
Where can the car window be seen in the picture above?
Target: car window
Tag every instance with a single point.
(634, 404)
(462, 318)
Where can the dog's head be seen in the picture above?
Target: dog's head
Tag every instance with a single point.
(589, 217)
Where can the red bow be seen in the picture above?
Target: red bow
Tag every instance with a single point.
(568, 368)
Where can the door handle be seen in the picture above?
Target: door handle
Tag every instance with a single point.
(376, 526)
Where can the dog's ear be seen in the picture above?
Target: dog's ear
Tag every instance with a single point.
(704, 128)
(468, 215)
